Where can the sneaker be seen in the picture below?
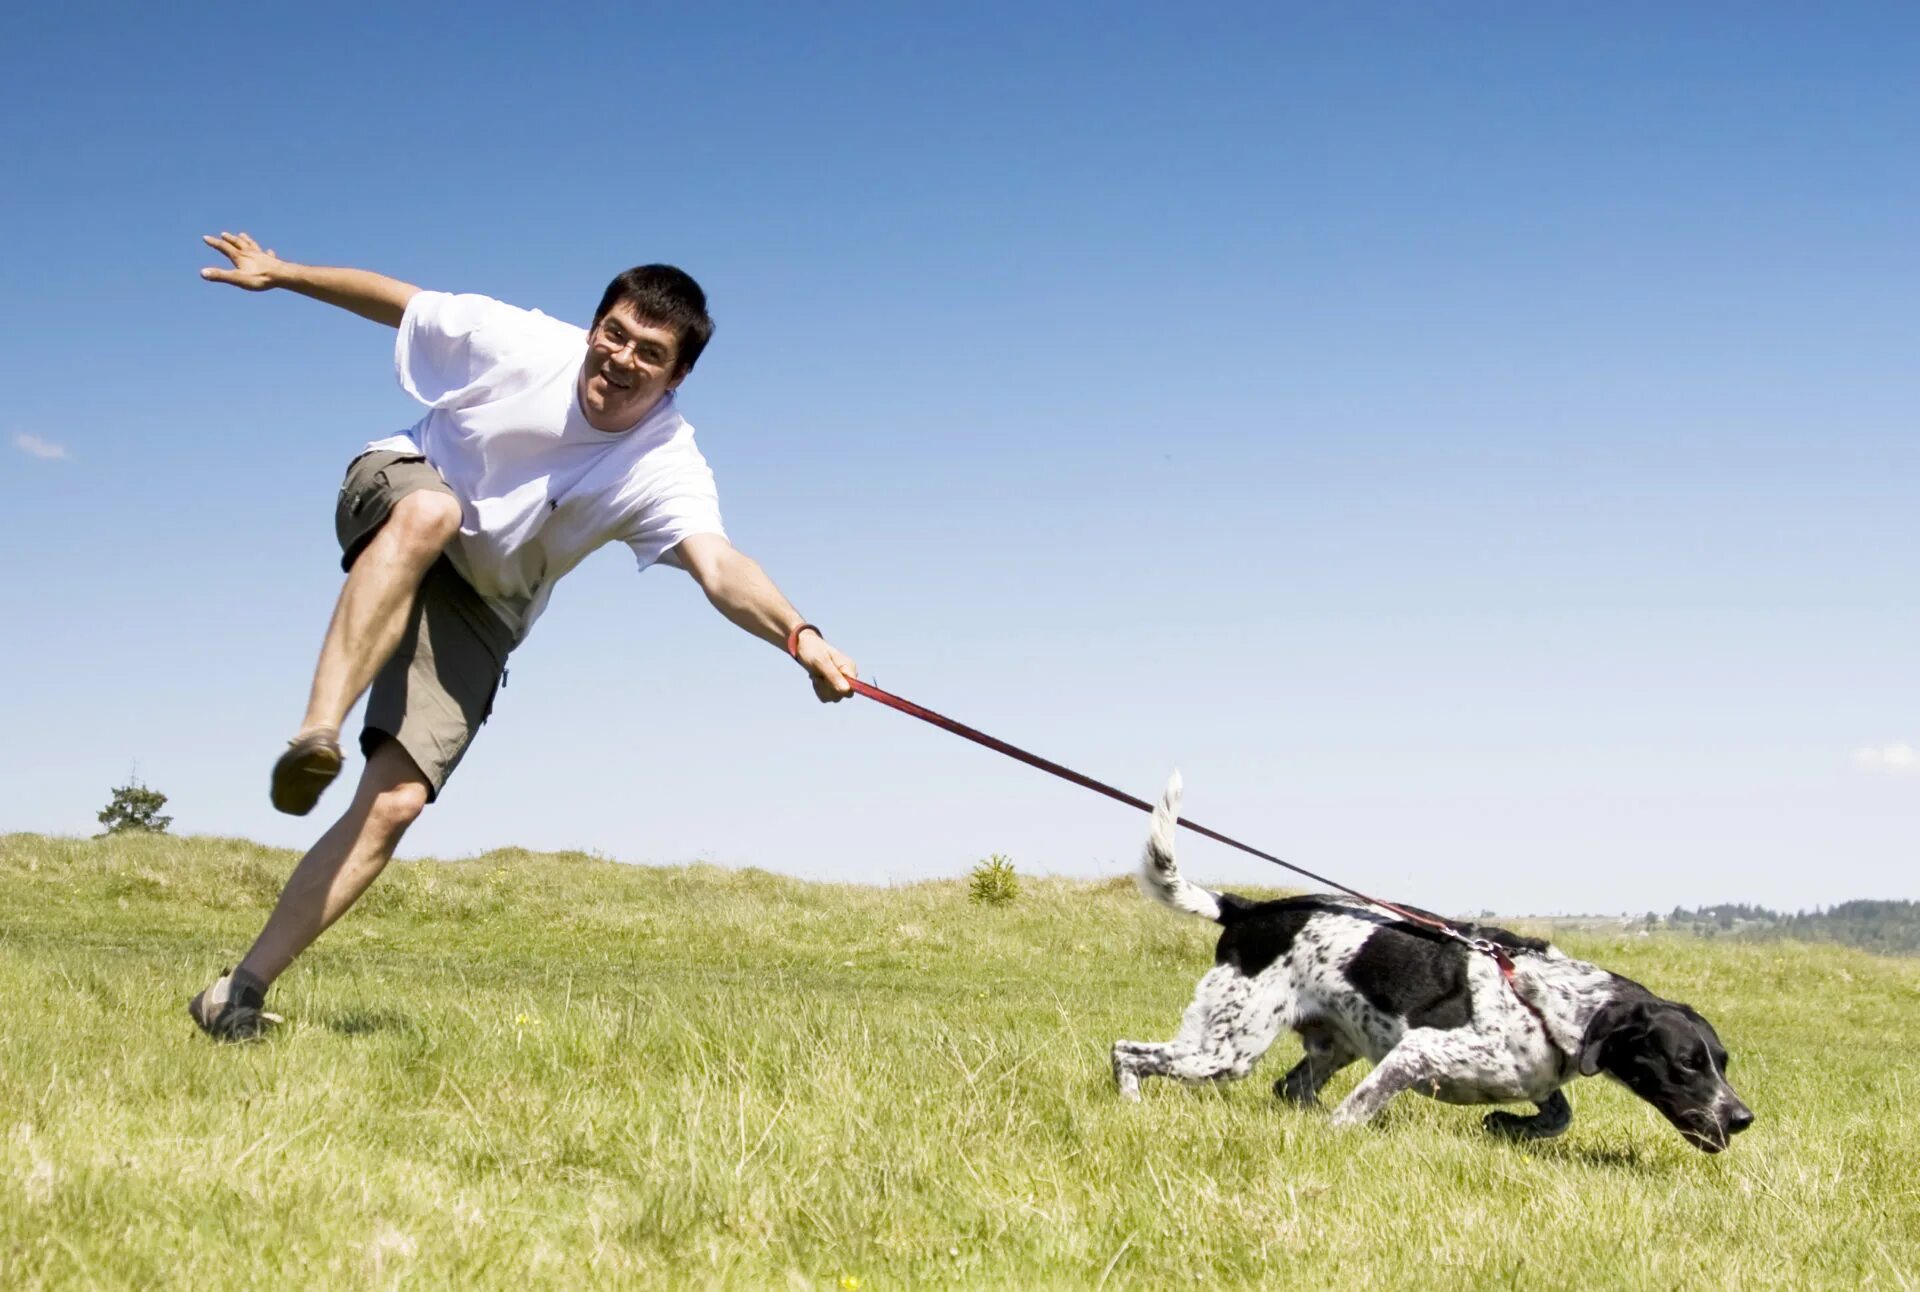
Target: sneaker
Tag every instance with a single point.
(230, 1010)
(303, 773)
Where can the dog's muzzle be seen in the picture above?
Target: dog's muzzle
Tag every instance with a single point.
(1712, 1132)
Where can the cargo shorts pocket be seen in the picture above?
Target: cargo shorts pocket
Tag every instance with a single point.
(367, 479)
(373, 483)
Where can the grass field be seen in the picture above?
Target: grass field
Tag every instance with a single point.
(554, 1071)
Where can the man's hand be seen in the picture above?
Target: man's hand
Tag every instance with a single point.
(829, 667)
(255, 268)
(258, 269)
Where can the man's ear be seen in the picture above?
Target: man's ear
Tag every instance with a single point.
(1614, 1017)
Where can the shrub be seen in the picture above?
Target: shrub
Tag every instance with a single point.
(135, 807)
(994, 883)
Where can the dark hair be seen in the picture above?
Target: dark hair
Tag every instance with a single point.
(667, 296)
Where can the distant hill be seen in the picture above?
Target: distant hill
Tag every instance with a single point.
(1887, 927)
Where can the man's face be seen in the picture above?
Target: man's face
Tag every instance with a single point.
(630, 365)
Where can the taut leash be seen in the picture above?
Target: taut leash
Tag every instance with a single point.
(1484, 946)
(945, 723)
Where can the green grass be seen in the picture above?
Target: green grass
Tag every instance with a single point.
(554, 1071)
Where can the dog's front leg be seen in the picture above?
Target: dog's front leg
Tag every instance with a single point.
(1555, 1115)
(1419, 1060)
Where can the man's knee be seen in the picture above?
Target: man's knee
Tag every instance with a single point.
(426, 519)
(397, 807)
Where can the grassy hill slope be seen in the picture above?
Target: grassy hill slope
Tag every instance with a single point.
(555, 1071)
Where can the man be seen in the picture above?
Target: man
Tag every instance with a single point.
(541, 443)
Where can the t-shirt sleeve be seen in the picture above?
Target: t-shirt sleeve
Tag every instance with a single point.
(691, 506)
(456, 351)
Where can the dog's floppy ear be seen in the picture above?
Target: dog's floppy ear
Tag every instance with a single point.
(1614, 1016)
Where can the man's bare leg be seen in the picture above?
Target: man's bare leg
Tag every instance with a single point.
(348, 857)
(371, 615)
(328, 880)
(368, 621)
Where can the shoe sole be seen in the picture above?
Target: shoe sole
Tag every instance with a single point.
(302, 775)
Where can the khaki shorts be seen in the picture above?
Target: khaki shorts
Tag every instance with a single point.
(437, 690)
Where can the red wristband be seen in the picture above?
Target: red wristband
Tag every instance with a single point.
(793, 638)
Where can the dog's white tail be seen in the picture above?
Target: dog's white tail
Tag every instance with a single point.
(1160, 876)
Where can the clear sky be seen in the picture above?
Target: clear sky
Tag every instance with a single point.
(1477, 447)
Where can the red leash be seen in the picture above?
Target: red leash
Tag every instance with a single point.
(1068, 774)
(1485, 946)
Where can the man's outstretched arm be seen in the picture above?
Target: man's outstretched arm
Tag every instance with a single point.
(257, 269)
(741, 590)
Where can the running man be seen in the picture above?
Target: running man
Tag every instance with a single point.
(542, 442)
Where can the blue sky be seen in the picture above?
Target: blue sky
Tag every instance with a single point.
(1478, 447)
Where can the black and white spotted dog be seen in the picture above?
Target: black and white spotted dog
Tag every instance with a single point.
(1431, 1013)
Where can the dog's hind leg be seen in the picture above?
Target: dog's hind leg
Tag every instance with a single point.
(1555, 1115)
(1327, 1053)
(1223, 1035)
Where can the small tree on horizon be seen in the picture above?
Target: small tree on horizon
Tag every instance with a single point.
(993, 882)
(135, 807)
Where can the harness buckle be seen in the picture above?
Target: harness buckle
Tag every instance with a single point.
(1497, 953)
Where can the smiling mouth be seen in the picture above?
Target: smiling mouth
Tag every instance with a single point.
(616, 382)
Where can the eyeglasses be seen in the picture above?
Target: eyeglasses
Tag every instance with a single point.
(613, 339)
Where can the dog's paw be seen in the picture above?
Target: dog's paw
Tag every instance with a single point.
(1125, 1079)
(1506, 1125)
(1287, 1093)
(1521, 1126)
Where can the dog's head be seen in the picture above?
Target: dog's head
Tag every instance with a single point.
(1671, 1057)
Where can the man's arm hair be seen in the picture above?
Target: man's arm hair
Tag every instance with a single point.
(370, 295)
(737, 586)
(741, 590)
(258, 269)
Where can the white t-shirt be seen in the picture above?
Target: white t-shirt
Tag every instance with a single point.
(538, 487)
